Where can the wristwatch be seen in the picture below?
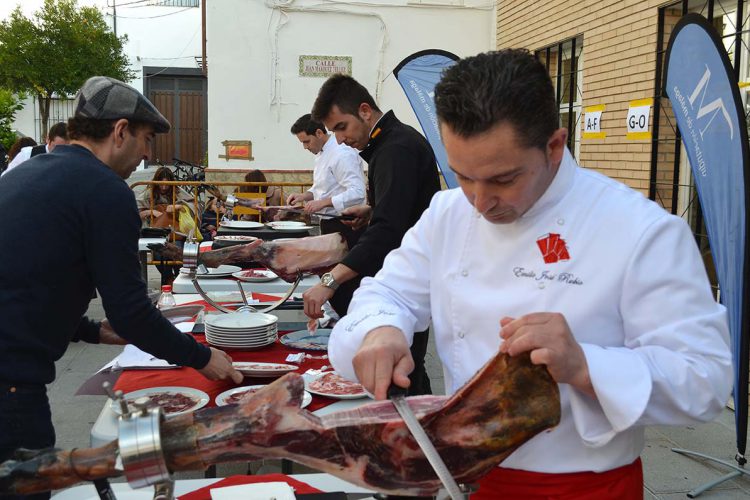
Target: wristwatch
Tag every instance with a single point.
(328, 281)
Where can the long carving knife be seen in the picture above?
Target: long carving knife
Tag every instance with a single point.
(398, 396)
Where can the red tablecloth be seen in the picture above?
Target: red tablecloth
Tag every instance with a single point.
(133, 380)
(205, 492)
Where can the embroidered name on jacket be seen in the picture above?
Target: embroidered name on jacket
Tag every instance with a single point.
(553, 249)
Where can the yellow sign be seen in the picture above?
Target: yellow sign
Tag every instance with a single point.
(638, 114)
(592, 122)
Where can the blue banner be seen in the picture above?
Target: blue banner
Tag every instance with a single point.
(706, 102)
(418, 74)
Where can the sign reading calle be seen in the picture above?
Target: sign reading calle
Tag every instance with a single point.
(324, 66)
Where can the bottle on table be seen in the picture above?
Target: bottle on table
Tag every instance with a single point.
(166, 299)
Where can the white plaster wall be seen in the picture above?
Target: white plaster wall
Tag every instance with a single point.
(255, 93)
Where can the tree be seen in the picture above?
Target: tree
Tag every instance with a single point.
(55, 52)
(10, 103)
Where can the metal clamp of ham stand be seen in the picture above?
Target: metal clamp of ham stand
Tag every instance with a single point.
(190, 254)
(141, 456)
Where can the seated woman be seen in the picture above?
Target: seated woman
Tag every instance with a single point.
(273, 193)
(159, 206)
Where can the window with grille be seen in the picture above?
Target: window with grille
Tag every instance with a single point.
(564, 62)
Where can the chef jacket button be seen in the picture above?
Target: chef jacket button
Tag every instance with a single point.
(561, 221)
(541, 285)
(464, 273)
(460, 335)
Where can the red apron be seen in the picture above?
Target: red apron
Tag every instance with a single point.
(623, 483)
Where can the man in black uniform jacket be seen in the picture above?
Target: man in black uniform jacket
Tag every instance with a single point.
(80, 216)
(402, 177)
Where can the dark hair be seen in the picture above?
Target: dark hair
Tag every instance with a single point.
(21, 142)
(162, 174)
(306, 124)
(508, 85)
(254, 176)
(96, 130)
(59, 129)
(345, 93)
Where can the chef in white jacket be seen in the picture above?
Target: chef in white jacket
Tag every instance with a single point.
(536, 254)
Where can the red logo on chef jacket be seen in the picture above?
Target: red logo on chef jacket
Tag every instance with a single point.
(553, 248)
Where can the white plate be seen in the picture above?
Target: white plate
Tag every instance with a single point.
(241, 321)
(178, 314)
(222, 271)
(292, 229)
(221, 399)
(200, 397)
(310, 379)
(240, 343)
(241, 224)
(258, 369)
(242, 347)
(285, 223)
(261, 275)
(235, 237)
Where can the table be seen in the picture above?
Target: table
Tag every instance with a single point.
(323, 482)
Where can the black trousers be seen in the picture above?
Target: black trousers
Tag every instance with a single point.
(25, 422)
(420, 381)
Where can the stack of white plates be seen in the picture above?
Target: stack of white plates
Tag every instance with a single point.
(244, 330)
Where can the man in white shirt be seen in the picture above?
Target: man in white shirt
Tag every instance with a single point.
(338, 180)
(535, 254)
(57, 134)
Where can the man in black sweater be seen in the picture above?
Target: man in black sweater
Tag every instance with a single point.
(402, 178)
(80, 223)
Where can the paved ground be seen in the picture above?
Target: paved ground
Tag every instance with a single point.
(668, 476)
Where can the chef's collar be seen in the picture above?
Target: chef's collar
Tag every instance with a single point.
(373, 132)
(558, 188)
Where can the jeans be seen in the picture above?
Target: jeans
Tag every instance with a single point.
(25, 422)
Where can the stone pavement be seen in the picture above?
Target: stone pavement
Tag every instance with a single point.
(667, 476)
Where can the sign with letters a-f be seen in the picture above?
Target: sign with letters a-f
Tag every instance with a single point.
(638, 115)
(592, 122)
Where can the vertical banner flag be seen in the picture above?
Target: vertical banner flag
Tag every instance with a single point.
(592, 122)
(706, 103)
(418, 74)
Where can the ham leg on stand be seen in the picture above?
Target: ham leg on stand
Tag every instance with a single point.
(506, 403)
(311, 255)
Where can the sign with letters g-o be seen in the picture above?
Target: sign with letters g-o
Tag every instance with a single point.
(706, 103)
(638, 114)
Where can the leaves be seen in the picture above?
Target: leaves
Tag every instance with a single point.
(10, 103)
(57, 50)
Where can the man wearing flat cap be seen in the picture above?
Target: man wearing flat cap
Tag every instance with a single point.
(81, 219)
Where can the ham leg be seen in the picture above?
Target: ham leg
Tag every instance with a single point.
(311, 255)
(505, 404)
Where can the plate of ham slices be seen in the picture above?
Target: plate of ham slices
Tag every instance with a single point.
(233, 396)
(258, 369)
(173, 400)
(333, 385)
(255, 275)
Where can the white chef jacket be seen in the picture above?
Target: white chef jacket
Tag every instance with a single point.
(630, 283)
(338, 175)
(23, 155)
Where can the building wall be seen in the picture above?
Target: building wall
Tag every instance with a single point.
(255, 92)
(619, 58)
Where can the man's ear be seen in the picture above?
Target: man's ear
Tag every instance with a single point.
(365, 112)
(556, 146)
(320, 134)
(119, 130)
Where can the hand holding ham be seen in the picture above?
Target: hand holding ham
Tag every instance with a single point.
(295, 198)
(220, 367)
(383, 357)
(548, 338)
(314, 298)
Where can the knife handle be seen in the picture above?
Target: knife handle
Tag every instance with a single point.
(395, 391)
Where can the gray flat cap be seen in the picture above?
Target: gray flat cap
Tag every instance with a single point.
(104, 98)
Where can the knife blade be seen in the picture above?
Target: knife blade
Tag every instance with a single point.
(398, 396)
